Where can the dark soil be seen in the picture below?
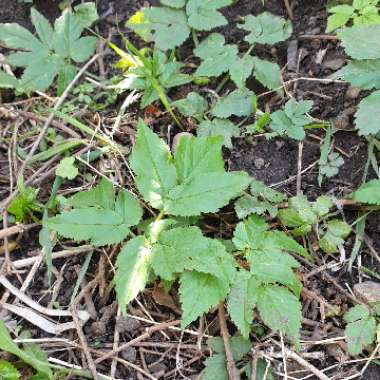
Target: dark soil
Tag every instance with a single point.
(278, 158)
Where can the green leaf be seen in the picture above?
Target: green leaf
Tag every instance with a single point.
(322, 205)
(43, 28)
(281, 311)
(152, 162)
(86, 14)
(193, 105)
(361, 42)
(267, 73)
(331, 167)
(185, 248)
(259, 189)
(166, 27)
(241, 70)
(199, 292)
(248, 204)
(16, 37)
(198, 195)
(103, 224)
(364, 74)
(367, 117)
(355, 313)
(132, 273)
(67, 169)
(337, 231)
(24, 204)
(7, 80)
(30, 356)
(239, 346)
(369, 193)
(196, 156)
(292, 119)
(215, 368)
(8, 371)
(65, 76)
(266, 28)
(219, 127)
(242, 300)
(217, 58)
(341, 14)
(82, 49)
(174, 3)
(238, 103)
(204, 15)
(359, 334)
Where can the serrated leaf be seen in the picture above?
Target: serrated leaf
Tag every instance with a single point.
(322, 205)
(219, 127)
(153, 165)
(101, 225)
(204, 15)
(355, 313)
(337, 231)
(238, 103)
(193, 105)
(281, 311)
(198, 195)
(185, 248)
(248, 204)
(174, 3)
(258, 188)
(241, 70)
(66, 168)
(30, 357)
(360, 334)
(86, 14)
(199, 292)
(367, 117)
(361, 42)
(215, 368)
(43, 28)
(217, 57)
(242, 300)
(239, 346)
(166, 27)
(201, 155)
(341, 14)
(266, 28)
(8, 371)
(133, 268)
(267, 73)
(7, 80)
(368, 193)
(364, 74)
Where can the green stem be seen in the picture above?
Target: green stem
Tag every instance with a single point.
(195, 37)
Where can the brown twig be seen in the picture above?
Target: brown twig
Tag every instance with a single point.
(7, 232)
(233, 373)
(289, 9)
(318, 37)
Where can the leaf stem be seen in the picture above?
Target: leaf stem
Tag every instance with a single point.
(195, 37)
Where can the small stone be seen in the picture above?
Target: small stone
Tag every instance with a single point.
(368, 291)
(341, 122)
(259, 163)
(98, 329)
(129, 354)
(128, 325)
(353, 92)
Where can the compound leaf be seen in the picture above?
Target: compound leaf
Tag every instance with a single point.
(281, 311)
(86, 14)
(102, 224)
(238, 102)
(217, 58)
(199, 292)
(266, 28)
(166, 27)
(133, 268)
(67, 169)
(367, 117)
(204, 15)
(359, 334)
(152, 162)
(219, 127)
(193, 105)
